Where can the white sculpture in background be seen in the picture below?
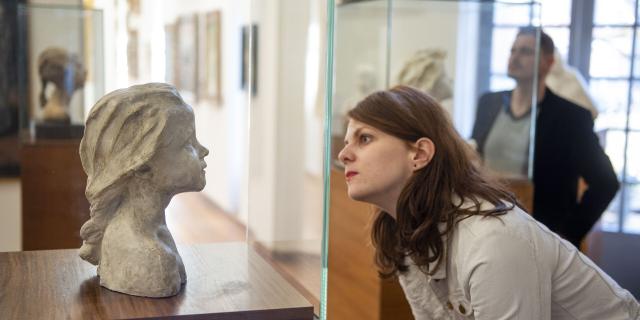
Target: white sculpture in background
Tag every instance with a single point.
(67, 73)
(568, 83)
(426, 71)
(365, 83)
(139, 150)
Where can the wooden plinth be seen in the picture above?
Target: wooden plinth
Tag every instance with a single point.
(354, 289)
(54, 206)
(224, 281)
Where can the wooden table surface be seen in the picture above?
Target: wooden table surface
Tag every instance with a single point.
(224, 281)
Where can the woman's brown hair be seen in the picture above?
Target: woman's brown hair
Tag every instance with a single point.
(428, 199)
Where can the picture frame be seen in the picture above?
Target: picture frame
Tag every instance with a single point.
(186, 62)
(210, 60)
(170, 45)
(249, 51)
(132, 54)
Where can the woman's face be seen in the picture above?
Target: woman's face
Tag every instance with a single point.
(377, 165)
(179, 165)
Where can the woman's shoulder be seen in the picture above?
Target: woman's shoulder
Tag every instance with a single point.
(515, 223)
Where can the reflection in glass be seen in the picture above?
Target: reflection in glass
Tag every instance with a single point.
(507, 14)
(611, 97)
(633, 157)
(610, 219)
(614, 12)
(636, 58)
(610, 52)
(632, 209)
(634, 114)
(555, 12)
(287, 117)
(613, 143)
(560, 36)
(500, 49)
(500, 82)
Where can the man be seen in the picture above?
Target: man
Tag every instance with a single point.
(565, 149)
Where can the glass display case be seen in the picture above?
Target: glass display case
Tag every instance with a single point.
(456, 51)
(270, 83)
(64, 76)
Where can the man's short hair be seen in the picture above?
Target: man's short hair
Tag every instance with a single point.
(546, 43)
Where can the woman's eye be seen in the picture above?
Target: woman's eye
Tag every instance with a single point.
(365, 138)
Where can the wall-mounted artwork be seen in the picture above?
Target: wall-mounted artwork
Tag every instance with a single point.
(132, 54)
(170, 54)
(186, 56)
(249, 68)
(210, 60)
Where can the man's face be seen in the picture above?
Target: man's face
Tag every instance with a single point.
(522, 58)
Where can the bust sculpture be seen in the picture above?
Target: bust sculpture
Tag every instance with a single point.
(139, 150)
(67, 74)
(426, 71)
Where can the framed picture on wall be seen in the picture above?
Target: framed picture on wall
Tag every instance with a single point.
(186, 62)
(210, 59)
(249, 67)
(170, 53)
(132, 54)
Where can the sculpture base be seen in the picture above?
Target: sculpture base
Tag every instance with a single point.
(225, 281)
(58, 130)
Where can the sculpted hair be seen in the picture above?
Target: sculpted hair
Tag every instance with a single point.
(431, 196)
(53, 66)
(123, 132)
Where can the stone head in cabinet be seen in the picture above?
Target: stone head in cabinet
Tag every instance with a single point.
(139, 149)
(66, 72)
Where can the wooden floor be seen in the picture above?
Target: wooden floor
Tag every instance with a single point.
(192, 218)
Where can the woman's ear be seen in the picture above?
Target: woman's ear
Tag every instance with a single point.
(424, 150)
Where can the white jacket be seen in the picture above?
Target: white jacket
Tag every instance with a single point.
(512, 267)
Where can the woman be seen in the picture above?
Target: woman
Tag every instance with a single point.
(139, 149)
(460, 244)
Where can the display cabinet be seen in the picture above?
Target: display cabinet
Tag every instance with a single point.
(454, 50)
(62, 48)
(270, 83)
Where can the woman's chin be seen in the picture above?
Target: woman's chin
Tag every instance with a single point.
(357, 195)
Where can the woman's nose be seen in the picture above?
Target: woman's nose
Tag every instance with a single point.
(345, 155)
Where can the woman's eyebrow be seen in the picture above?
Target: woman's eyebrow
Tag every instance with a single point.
(355, 134)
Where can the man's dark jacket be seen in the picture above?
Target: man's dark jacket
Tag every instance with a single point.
(566, 148)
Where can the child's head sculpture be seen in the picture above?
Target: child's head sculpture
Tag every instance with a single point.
(139, 149)
(67, 74)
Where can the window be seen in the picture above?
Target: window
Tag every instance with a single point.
(601, 38)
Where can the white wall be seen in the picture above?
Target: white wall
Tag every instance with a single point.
(286, 129)
(222, 128)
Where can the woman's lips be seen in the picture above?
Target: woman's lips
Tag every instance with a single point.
(350, 174)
